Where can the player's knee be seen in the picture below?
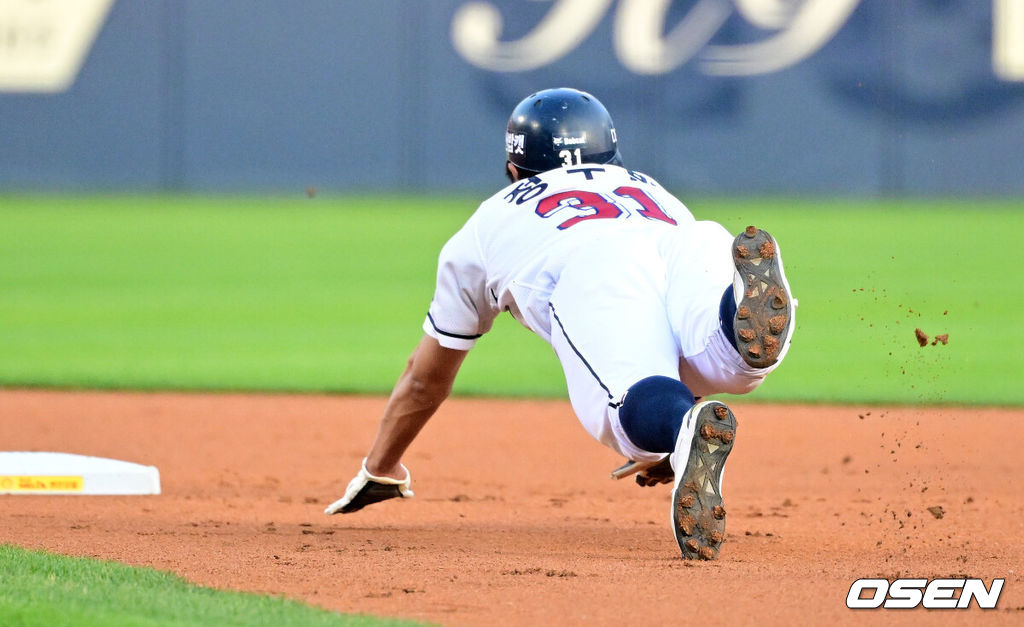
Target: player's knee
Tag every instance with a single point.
(427, 392)
(743, 383)
(652, 412)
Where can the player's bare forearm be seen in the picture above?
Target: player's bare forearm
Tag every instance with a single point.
(425, 384)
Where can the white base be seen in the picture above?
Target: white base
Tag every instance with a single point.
(64, 473)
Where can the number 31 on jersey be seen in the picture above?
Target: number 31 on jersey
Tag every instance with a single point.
(599, 206)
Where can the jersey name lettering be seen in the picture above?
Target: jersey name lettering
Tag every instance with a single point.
(527, 190)
(587, 172)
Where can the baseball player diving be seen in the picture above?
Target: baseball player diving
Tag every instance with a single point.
(647, 309)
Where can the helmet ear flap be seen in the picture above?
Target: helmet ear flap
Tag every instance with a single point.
(558, 127)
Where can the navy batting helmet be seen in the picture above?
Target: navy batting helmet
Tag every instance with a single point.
(558, 127)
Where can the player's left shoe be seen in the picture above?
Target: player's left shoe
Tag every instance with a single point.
(698, 515)
(765, 308)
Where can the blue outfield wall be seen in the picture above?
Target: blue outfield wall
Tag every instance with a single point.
(851, 97)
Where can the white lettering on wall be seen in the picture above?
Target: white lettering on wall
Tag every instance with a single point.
(1008, 39)
(638, 33)
(800, 34)
(797, 29)
(477, 26)
(44, 42)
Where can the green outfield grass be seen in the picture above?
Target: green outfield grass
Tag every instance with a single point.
(45, 590)
(328, 294)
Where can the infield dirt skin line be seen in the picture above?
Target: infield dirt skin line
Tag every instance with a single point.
(515, 519)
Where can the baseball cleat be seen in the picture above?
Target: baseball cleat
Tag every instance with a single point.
(698, 516)
(765, 310)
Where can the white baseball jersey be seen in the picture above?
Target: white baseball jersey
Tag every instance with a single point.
(609, 268)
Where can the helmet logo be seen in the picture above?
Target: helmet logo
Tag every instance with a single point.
(570, 141)
(514, 143)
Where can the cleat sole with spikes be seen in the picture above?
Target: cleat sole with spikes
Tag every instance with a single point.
(763, 323)
(698, 515)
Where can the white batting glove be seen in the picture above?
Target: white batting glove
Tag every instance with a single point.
(366, 489)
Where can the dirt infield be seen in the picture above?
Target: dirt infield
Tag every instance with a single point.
(515, 520)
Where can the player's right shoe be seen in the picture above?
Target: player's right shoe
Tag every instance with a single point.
(698, 516)
(765, 309)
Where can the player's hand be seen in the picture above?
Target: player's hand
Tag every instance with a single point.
(648, 474)
(655, 475)
(366, 489)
